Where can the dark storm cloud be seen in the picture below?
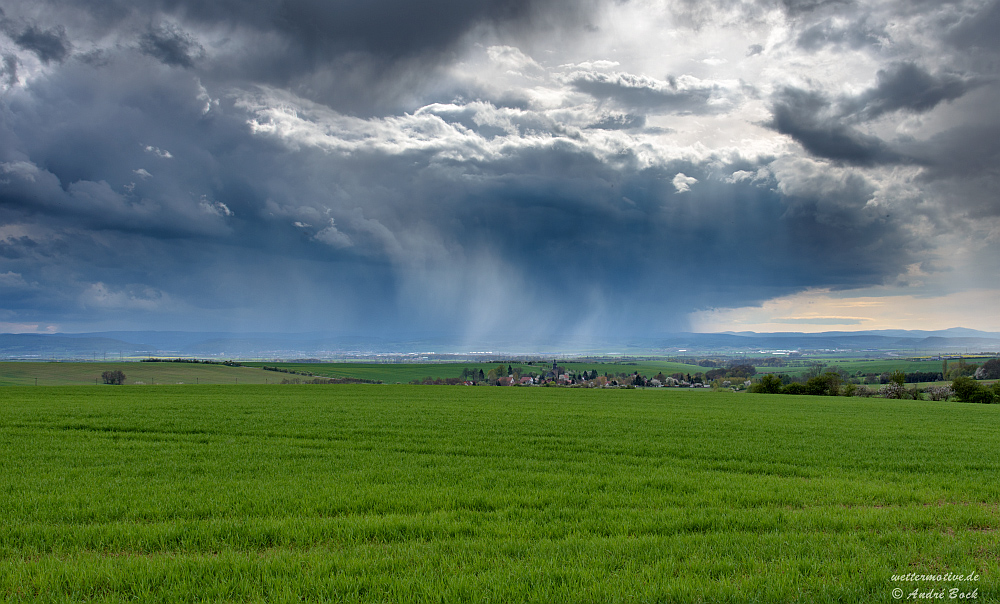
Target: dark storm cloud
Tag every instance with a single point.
(171, 46)
(221, 219)
(800, 115)
(656, 231)
(572, 224)
(365, 58)
(48, 45)
(79, 138)
(372, 58)
(960, 161)
(398, 28)
(908, 87)
(826, 126)
(135, 191)
(797, 7)
(853, 35)
(326, 27)
(702, 13)
(979, 30)
(643, 93)
(619, 121)
(9, 71)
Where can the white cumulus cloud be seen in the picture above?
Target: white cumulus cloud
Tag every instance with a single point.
(683, 183)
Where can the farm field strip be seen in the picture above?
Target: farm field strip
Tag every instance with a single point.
(163, 373)
(421, 493)
(20, 373)
(407, 372)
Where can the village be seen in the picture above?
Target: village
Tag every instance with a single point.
(557, 375)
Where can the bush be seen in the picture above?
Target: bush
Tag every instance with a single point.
(983, 397)
(794, 388)
(968, 390)
(964, 387)
(940, 393)
(769, 384)
(892, 390)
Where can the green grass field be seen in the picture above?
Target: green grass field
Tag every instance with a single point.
(446, 494)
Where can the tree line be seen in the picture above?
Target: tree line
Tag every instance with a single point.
(831, 383)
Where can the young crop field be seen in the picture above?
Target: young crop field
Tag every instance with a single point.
(889, 365)
(877, 366)
(647, 368)
(391, 373)
(74, 373)
(448, 494)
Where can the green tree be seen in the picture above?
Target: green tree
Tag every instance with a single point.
(827, 384)
(962, 369)
(741, 371)
(989, 371)
(116, 377)
(714, 374)
(815, 369)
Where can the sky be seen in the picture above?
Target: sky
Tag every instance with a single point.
(538, 169)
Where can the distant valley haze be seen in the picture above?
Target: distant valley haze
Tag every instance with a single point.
(138, 345)
(538, 175)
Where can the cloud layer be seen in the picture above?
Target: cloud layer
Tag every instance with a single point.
(541, 168)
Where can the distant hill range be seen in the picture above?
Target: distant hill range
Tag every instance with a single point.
(133, 344)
